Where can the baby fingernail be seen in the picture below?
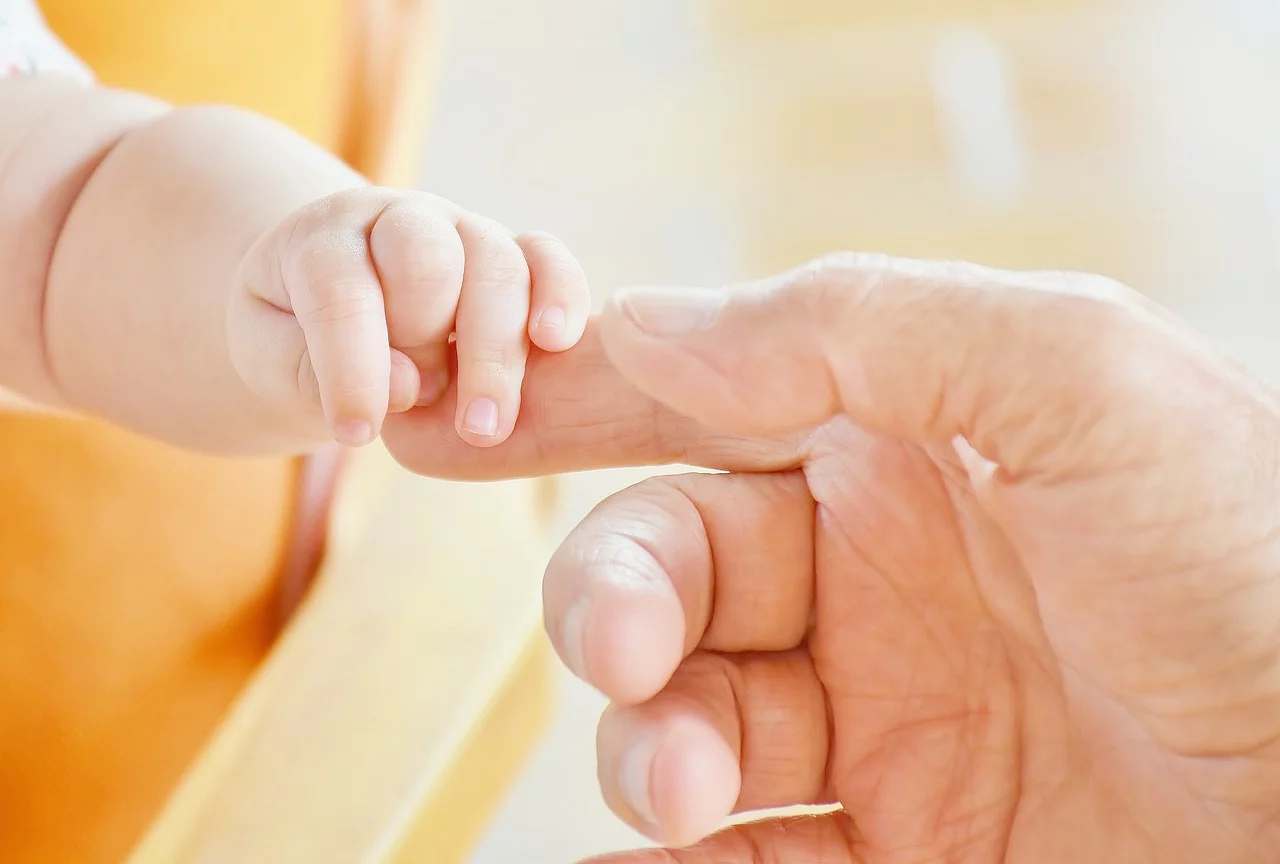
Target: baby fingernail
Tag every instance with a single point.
(671, 311)
(481, 418)
(552, 318)
(573, 637)
(354, 433)
(635, 776)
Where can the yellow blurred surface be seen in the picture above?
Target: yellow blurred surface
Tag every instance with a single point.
(139, 582)
(1103, 135)
(398, 705)
(383, 725)
(250, 53)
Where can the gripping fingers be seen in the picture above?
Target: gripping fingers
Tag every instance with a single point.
(420, 259)
(332, 289)
(561, 300)
(493, 315)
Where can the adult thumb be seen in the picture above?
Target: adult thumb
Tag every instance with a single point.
(1018, 364)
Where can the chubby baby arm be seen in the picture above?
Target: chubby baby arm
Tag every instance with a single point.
(206, 276)
(53, 135)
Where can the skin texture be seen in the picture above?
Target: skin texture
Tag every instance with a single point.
(993, 569)
(207, 277)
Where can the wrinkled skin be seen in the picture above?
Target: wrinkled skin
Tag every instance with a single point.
(995, 568)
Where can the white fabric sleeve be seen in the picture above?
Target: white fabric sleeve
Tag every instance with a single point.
(28, 48)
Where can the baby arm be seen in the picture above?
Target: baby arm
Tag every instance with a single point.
(205, 276)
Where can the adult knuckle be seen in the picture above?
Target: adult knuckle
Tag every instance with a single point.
(1117, 347)
(829, 287)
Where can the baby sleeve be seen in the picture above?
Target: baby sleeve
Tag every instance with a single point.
(27, 47)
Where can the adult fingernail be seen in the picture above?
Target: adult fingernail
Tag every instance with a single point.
(552, 319)
(481, 418)
(671, 311)
(635, 777)
(354, 433)
(573, 637)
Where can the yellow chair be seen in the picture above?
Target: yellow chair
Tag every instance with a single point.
(161, 708)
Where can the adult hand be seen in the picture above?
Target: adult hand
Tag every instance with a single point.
(997, 570)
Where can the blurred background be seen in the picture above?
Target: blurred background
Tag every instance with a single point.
(697, 141)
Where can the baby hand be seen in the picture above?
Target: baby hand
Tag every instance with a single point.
(345, 312)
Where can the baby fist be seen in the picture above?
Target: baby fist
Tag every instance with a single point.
(345, 312)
